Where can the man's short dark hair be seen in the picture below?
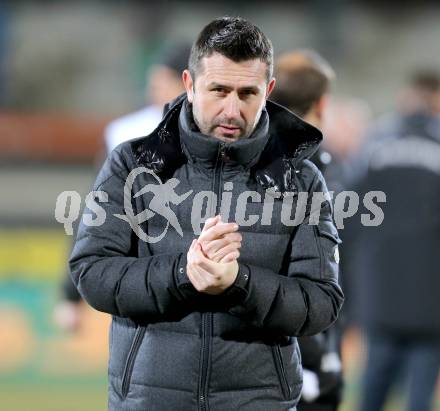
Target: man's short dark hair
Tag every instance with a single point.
(427, 80)
(235, 38)
(303, 77)
(175, 56)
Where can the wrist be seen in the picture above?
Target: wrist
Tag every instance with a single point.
(238, 290)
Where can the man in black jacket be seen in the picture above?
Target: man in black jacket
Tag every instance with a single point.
(396, 285)
(303, 86)
(208, 275)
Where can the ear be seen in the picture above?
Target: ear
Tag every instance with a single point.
(270, 87)
(188, 83)
(321, 105)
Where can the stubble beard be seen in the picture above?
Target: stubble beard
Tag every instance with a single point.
(209, 130)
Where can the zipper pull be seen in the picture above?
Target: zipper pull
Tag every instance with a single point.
(223, 155)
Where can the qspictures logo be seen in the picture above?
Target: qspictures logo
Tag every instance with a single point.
(162, 195)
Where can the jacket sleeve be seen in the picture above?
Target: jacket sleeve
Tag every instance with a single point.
(69, 291)
(307, 298)
(106, 270)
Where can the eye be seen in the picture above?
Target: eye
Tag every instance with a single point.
(248, 92)
(219, 90)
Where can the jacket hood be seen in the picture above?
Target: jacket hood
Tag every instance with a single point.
(290, 141)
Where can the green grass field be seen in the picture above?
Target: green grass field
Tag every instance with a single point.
(44, 397)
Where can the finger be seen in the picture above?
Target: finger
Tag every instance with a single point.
(191, 252)
(203, 280)
(202, 261)
(206, 264)
(233, 237)
(196, 280)
(210, 222)
(218, 231)
(206, 275)
(225, 251)
(199, 254)
(211, 247)
(193, 243)
(232, 256)
(200, 275)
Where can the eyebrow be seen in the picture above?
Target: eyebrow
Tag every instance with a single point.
(244, 88)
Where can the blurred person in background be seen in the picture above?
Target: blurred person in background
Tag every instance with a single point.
(346, 120)
(397, 279)
(164, 83)
(209, 322)
(303, 84)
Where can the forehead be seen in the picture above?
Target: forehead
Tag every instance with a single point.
(222, 70)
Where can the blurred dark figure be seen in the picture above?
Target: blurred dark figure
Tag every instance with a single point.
(303, 80)
(164, 83)
(396, 263)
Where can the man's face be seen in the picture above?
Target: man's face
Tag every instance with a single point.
(164, 85)
(228, 97)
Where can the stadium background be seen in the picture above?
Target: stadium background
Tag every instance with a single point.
(66, 69)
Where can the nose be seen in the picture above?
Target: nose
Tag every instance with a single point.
(232, 106)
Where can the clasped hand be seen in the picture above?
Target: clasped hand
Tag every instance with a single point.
(212, 258)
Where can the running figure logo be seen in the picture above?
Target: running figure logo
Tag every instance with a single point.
(164, 194)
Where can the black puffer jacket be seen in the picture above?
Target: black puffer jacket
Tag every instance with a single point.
(172, 348)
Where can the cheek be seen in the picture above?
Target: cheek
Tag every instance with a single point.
(200, 112)
(253, 112)
(208, 108)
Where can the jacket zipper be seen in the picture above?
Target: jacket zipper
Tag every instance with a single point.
(218, 175)
(206, 353)
(128, 370)
(207, 318)
(281, 371)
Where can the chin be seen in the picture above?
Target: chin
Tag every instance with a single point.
(228, 139)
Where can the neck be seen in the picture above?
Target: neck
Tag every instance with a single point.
(314, 119)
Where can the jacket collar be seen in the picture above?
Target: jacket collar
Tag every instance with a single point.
(204, 150)
(290, 140)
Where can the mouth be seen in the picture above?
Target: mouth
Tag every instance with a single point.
(228, 130)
